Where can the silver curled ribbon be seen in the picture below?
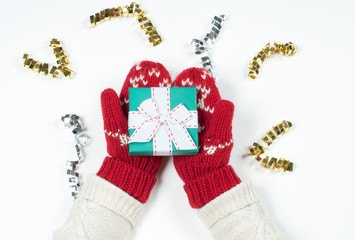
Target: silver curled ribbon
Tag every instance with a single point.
(73, 122)
(202, 47)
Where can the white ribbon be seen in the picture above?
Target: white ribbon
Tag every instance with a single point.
(162, 125)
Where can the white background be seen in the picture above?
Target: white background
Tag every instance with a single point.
(313, 89)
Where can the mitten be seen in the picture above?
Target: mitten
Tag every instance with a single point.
(208, 175)
(227, 206)
(134, 175)
(110, 202)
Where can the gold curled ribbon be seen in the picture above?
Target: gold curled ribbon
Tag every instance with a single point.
(132, 10)
(258, 149)
(202, 46)
(270, 48)
(276, 164)
(43, 68)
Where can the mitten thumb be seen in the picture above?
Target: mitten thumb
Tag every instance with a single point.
(115, 123)
(220, 129)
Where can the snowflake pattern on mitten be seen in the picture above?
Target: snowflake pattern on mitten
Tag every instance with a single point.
(207, 175)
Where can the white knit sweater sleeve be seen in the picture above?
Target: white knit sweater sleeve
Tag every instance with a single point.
(237, 215)
(101, 212)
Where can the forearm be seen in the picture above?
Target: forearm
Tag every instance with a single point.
(237, 215)
(101, 212)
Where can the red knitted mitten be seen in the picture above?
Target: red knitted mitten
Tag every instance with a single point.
(134, 175)
(207, 175)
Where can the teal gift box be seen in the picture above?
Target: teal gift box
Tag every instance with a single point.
(163, 121)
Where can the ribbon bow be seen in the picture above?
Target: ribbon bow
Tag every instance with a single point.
(174, 123)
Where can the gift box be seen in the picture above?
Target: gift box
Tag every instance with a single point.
(163, 121)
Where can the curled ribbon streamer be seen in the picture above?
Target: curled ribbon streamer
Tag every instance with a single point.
(132, 10)
(258, 149)
(281, 164)
(43, 68)
(202, 46)
(270, 48)
(174, 121)
(73, 121)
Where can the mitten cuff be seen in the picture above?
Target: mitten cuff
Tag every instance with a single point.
(205, 189)
(109, 196)
(132, 180)
(236, 198)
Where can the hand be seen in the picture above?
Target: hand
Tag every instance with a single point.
(208, 175)
(134, 175)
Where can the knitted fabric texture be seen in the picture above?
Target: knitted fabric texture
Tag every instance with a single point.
(208, 175)
(101, 212)
(134, 175)
(237, 215)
